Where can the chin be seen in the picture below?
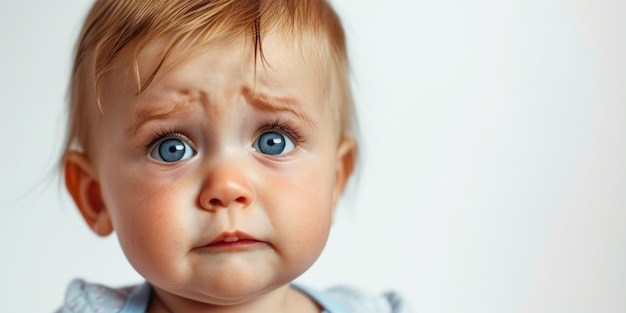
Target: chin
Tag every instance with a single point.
(233, 290)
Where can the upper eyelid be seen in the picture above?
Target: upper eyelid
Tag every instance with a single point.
(167, 134)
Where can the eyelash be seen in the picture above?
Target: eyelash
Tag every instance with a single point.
(282, 126)
(286, 128)
(162, 134)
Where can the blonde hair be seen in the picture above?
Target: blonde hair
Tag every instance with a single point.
(119, 29)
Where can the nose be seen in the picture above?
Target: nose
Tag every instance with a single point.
(226, 185)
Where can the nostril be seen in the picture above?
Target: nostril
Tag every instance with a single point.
(217, 203)
(211, 199)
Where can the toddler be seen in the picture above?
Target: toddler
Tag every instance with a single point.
(215, 138)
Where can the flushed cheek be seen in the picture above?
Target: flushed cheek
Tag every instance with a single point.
(300, 207)
(151, 220)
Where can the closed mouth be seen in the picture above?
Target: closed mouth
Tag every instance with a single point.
(228, 240)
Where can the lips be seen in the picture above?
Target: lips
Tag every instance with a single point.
(232, 240)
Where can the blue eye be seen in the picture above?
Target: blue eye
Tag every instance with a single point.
(273, 143)
(172, 150)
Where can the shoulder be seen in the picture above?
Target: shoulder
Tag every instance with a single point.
(344, 299)
(84, 297)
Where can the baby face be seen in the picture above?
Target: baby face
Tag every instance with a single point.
(220, 182)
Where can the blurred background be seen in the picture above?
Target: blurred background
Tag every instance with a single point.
(493, 173)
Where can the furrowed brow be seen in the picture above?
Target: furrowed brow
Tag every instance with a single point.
(154, 113)
(163, 108)
(267, 103)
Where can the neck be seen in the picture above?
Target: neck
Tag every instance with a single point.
(282, 300)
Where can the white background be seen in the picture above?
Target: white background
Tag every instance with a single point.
(494, 157)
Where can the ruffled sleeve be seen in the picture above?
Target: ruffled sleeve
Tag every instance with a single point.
(358, 301)
(82, 297)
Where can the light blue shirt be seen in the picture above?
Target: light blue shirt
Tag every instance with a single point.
(83, 297)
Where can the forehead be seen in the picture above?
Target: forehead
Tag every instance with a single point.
(273, 59)
(288, 72)
(276, 52)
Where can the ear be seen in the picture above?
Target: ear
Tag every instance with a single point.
(346, 159)
(83, 185)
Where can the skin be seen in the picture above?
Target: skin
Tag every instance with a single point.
(167, 214)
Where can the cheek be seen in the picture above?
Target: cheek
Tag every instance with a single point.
(301, 208)
(147, 215)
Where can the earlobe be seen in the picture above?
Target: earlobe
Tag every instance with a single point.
(346, 160)
(84, 188)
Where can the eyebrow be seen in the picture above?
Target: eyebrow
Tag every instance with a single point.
(161, 112)
(267, 103)
(261, 101)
